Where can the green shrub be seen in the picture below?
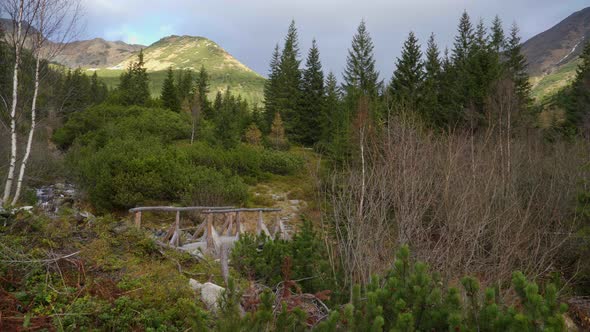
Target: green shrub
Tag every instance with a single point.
(410, 298)
(245, 160)
(128, 172)
(98, 124)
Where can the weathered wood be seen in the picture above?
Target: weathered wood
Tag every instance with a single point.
(224, 262)
(138, 219)
(209, 234)
(177, 228)
(231, 224)
(199, 229)
(241, 210)
(178, 208)
(239, 229)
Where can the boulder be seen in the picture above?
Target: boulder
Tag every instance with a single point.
(210, 293)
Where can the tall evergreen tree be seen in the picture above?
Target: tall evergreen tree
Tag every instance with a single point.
(408, 77)
(202, 89)
(169, 95)
(431, 106)
(134, 84)
(289, 85)
(98, 90)
(185, 84)
(463, 41)
(312, 99)
(331, 108)
(517, 65)
(360, 75)
(271, 88)
(497, 36)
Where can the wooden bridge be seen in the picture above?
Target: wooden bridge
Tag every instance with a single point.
(220, 227)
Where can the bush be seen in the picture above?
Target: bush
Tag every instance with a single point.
(244, 160)
(412, 299)
(101, 123)
(128, 172)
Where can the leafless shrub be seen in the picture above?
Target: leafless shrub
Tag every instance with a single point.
(483, 204)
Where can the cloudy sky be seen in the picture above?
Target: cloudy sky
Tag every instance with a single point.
(249, 29)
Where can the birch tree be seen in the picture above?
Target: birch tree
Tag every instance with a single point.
(55, 19)
(44, 26)
(20, 12)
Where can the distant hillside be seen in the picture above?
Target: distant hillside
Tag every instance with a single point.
(188, 52)
(552, 55)
(96, 53)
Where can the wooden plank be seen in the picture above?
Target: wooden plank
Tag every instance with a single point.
(178, 208)
(177, 226)
(138, 219)
(231, 224)
(241, 210)
(209, 233)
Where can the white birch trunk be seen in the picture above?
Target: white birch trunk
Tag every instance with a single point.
(23, 164)
(13, 138)
(25, 159)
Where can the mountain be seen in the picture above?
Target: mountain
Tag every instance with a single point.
(96, 53)
(553, 54)
(189, 52)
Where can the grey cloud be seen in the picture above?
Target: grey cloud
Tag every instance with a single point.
(249, 29)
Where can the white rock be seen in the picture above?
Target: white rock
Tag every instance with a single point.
(210, 293)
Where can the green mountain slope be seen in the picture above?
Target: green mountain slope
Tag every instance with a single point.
(545, 86)
(188, 52)
(553, 55)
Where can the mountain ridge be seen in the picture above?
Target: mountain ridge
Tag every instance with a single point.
(553, 54)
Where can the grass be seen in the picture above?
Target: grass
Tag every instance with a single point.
(546, 86)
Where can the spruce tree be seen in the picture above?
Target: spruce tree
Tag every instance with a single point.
(134, 84)
(169, 95)
(312, 99)
(463, 41)
(497, 37)
(271, 87)
(331, 109)
(578, 98)
(289, 85)
(185, 84)
(408, 77)
(98, 90)
(431, 107)
(516, 66)
(360, 75)
(202, 88)
(218, 103)
(226, 126)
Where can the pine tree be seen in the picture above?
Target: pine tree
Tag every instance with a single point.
(218, 103)
(134, 84)
(463, 41)
(169, 95)
(185, 85)
(331, 110)
(313, 98)
(253, 135)
(516, 66)
(289, 85)
(497, 37)
(271, 87)
(406, 82)
(360, 75)
(226, 126)
(98, 90)
(431, 106)
(202, 89)
(577, 97)
(277, 133)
